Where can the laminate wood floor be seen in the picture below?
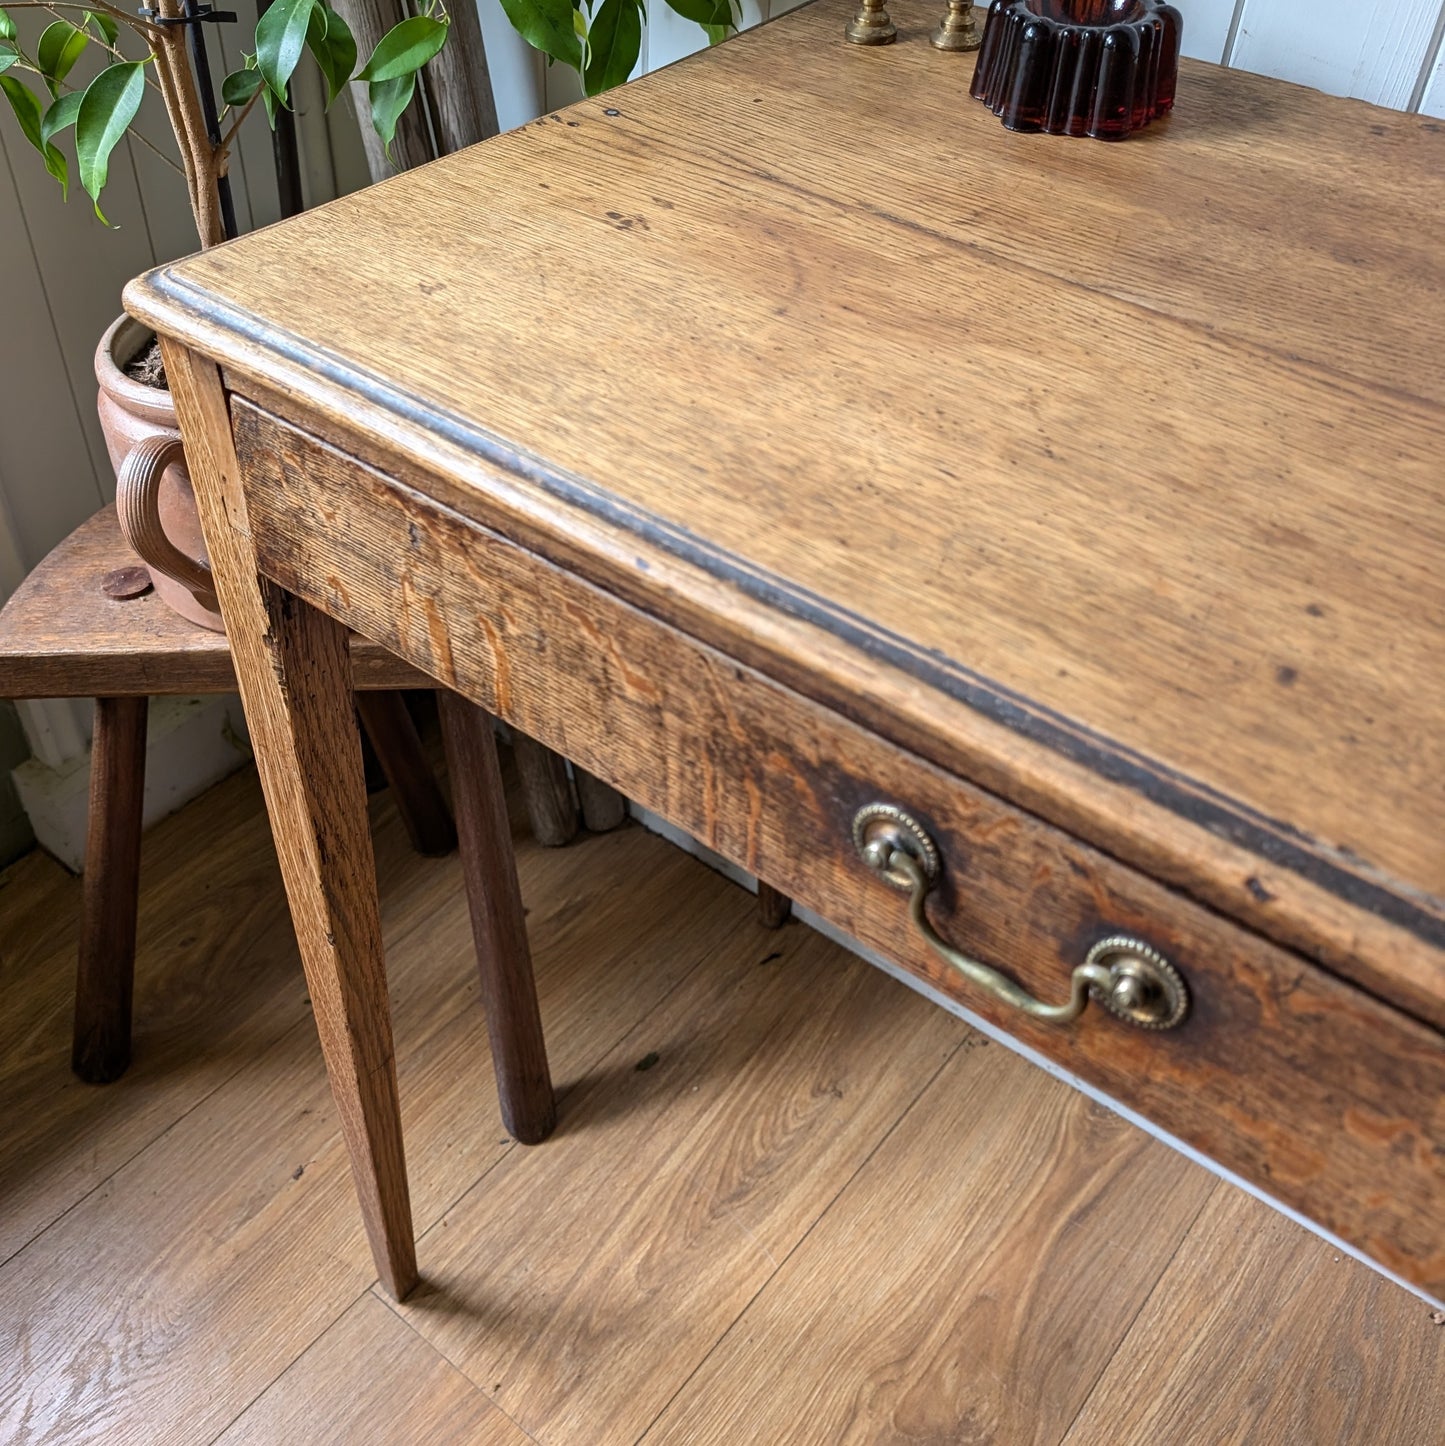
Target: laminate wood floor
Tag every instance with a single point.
(788, 1200)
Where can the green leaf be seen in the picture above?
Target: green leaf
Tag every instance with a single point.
(106, 109)
(716, 34)
(104, 24)
(388, 99)
(546, 25)
(330, 40)
(280, 39)
(8, 55)
(703, 12)
(27, 112)
(240, 86)
(613, 42)
(7, 26)
(60, 47)
(405, 48)
(60, 115)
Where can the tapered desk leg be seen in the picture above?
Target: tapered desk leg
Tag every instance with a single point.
(499, 926)
(294, 674)
(413, 786)
(774, 909)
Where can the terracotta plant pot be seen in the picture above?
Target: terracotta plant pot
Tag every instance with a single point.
(154, 500)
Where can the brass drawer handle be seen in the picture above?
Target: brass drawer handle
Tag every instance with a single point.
(1125, 975)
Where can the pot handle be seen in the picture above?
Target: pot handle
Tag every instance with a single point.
(137, 498)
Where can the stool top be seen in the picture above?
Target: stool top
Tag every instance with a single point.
(61, 636)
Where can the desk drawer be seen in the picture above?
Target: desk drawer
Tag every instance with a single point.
(1329, 1100)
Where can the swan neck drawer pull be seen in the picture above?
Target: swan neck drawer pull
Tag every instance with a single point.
(1125, 975)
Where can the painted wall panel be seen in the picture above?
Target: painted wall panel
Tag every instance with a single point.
(1206, 27)
(46, 471)
(1432, 103)
(516, 69)
(1370, 49)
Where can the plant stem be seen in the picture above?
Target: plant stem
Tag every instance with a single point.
(224, 147)
(201, 160)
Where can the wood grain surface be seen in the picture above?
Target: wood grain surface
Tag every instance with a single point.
(212, 1266)
(1004, 1158)
(1301, 1083)
(413, 1395)
(1045, 458)
(1318, 1331)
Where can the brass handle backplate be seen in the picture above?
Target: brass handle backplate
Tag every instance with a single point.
(1128, 977)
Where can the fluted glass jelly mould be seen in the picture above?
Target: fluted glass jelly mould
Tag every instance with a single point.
(1101, 68)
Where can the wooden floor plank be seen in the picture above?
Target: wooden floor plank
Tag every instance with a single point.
(580, 1283)
(216, 982)
(719, 1237)
(408, 1394)
(1262, 1332)
(967, 1287)
(198, 1243)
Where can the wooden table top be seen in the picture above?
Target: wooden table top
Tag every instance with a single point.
(1110, 475)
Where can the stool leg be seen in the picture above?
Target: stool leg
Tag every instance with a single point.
(774, 909)
(110, 891)
(546, 790)
(499, 926)
(419, 800)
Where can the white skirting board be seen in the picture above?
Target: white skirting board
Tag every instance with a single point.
(191, 743)
(690, 845)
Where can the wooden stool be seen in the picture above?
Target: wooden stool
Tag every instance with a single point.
(63, 636)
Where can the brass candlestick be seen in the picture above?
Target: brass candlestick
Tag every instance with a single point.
(958, 30)
(872, 25)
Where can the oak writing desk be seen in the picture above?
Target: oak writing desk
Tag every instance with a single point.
(1084, 502)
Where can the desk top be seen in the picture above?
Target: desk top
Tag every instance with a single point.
(1108, 474)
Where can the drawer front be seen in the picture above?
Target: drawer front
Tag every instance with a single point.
(1329, 1100)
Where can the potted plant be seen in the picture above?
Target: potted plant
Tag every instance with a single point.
(600, 39)
(154, 499)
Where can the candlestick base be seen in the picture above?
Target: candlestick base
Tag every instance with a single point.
(872, 25)
(958, 30)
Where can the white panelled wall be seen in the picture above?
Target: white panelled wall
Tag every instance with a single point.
(62, 274)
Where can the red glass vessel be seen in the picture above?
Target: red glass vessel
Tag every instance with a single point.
(1101, 68)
